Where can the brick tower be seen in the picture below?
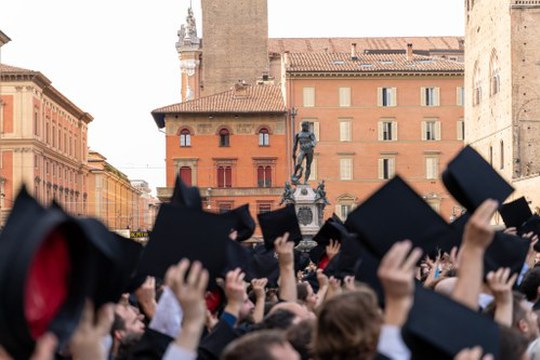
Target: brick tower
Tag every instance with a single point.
(502, 107)
(235, 43)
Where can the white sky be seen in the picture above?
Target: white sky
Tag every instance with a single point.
(116, 59)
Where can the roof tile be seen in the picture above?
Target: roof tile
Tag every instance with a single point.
(257, 99)
(369, 63)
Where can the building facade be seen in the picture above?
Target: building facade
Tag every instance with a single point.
(150, 204)
(376, 115)
(111, 197)
(502, 101)
(424, 122)
(230, 145)
(43, 140)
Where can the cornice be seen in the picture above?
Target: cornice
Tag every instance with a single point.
(374, 74)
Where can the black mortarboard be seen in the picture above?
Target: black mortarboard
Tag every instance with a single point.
(188, 196)
(332, 229)
(471, 180)
(244, 223)
(346, 261)
(265, 264)
(238, 256)
(439, 328)
(393, 213)
(515, 213)
(117, 259)
(505, 250)
(181, 232)
(532, 224)
(276, 223)
(46, 273)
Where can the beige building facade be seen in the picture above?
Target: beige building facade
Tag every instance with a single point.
(502, 89)
(112, 198)
(43, 139)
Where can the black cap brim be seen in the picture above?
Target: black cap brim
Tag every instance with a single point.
(471, 180)
(276, 223)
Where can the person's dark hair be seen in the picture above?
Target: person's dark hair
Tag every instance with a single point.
(118, 324)
(280, 320)
(300, 336)
(518, 312)
(512, 345)
(302, 290)
(530, 283)
(127, 344)
(348, 326)
(254, 346)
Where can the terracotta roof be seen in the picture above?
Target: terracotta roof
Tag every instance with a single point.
(369, 63)
(13, 69)
(255, 99)
(13, 73)
(303, 45)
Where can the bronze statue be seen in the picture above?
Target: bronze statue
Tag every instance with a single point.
(307, 141)
(320, 194)
(287, 196)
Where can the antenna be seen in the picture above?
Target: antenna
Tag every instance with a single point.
(191, 4)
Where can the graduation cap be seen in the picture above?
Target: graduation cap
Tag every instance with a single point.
(182, 232)
(46, 273)
(393, 213)
(515, 213)
(439, 328)
(264, 263)
(244, 223)
(188, 196)
(504, 251)
(276, 223)
(117, 259)
(472, 180)
(332, 229)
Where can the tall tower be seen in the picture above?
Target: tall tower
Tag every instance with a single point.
(235, 43)
(189, 53)
(502, 77)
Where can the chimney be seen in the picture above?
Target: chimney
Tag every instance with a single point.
(409, 51)
(461, 44)
(240, 89)
(353, 52)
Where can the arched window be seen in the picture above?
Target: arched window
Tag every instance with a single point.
(224, 137)
(224, 177)
(264, 176)
(494, 77)
(185, 138)
(477, 85)
(502, 154)
(185, 175)
(264, 137)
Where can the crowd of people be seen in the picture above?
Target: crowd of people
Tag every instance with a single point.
(474, 299)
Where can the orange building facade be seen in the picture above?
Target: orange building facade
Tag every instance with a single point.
(43, 139)
(376, 115)
(230, 145)
(378, 107)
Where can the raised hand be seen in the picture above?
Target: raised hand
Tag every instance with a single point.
(146, 296)
(478, 232)
(396, 273)
(284, 250)
(258, 286)
(189, 290)
(87, 338)
(332, 249)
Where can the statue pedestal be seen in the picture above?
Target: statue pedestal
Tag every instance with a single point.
(307, 210)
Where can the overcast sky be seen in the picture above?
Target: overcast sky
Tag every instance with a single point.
(116, 59)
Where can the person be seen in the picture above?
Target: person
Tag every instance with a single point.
(307, 142)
